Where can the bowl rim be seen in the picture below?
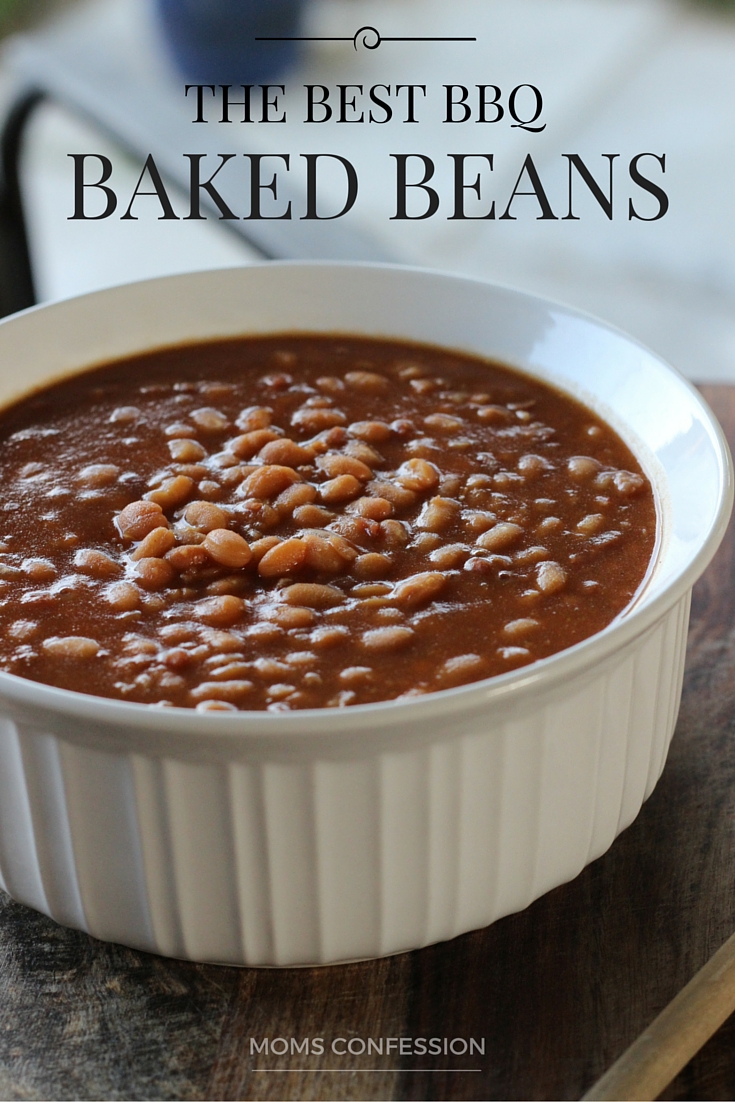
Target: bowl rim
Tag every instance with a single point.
(343, 723)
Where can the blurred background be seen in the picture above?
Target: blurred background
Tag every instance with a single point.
(617, 76)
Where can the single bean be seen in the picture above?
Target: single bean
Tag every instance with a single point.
(314, 420)
(177, 633)
(259, 514)
(335, 465)
(327, 637)
(531, 555)
(224, 642)
(335, 437)
(216, 691)
(376, 589)
(360, 531)
(39, 570)
(283, 559)
(231, 671)
(194, 471)
(312, 516)
(463, 667)
(209, 419)
(153, 573)
(286, 453)
(330, 383)
(494, 415)
(99, 474)
(233, 476)
(368, 381)
(507, 480)
(23, 630)
(427, 541)
(590, 524)
(362, 451)
(410, 370)
(376, 508)
(219, 611)
(450, 485)
(171, 492)
(419, 588)
(227, 548)
(444, 422)
(191, 556)
(500, 537)
(524, 626)
(269, 668)
(155, 544)
(205, 516)
(582, 467)
(280, 691)
(291, 616)
(531, 466)
(394, 533)
(551, 577)
(449, 556)
(311, 595)
(479, 482)
(627, 483)
(418, 475)
(267, 482)
(124, 415)
(280, 380)
(423, 386)
(222, 461)
(438, 514)
(353, 675)
(342, 488)
(549, 524)
(515, 655)
(372, 565)
(210, 490)
(123, 596)
(216, 706)
(186, 451)
(179, 431)
(392, 638)
(139, 518)
(71, 646)
(477, 521)
(323, 556)
(372, 432)
(253, 418)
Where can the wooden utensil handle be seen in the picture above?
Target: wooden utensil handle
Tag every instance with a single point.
(675, 1036)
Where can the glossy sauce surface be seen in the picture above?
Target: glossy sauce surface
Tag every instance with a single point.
(297, 522)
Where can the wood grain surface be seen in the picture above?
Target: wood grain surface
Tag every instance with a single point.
(557, 992)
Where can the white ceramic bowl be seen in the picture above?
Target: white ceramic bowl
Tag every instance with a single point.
(327, 835)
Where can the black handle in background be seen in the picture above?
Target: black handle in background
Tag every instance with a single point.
(17, 290)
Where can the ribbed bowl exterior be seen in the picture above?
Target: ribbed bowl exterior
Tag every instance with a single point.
(347, 853)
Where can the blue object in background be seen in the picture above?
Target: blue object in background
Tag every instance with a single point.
(213, 41)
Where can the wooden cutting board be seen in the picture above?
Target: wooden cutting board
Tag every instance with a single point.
(555, 993)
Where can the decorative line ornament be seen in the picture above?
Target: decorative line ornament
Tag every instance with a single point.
(369, 37)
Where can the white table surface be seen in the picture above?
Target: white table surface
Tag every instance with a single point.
(618, 76)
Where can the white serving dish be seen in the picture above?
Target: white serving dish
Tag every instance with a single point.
(328, 835)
